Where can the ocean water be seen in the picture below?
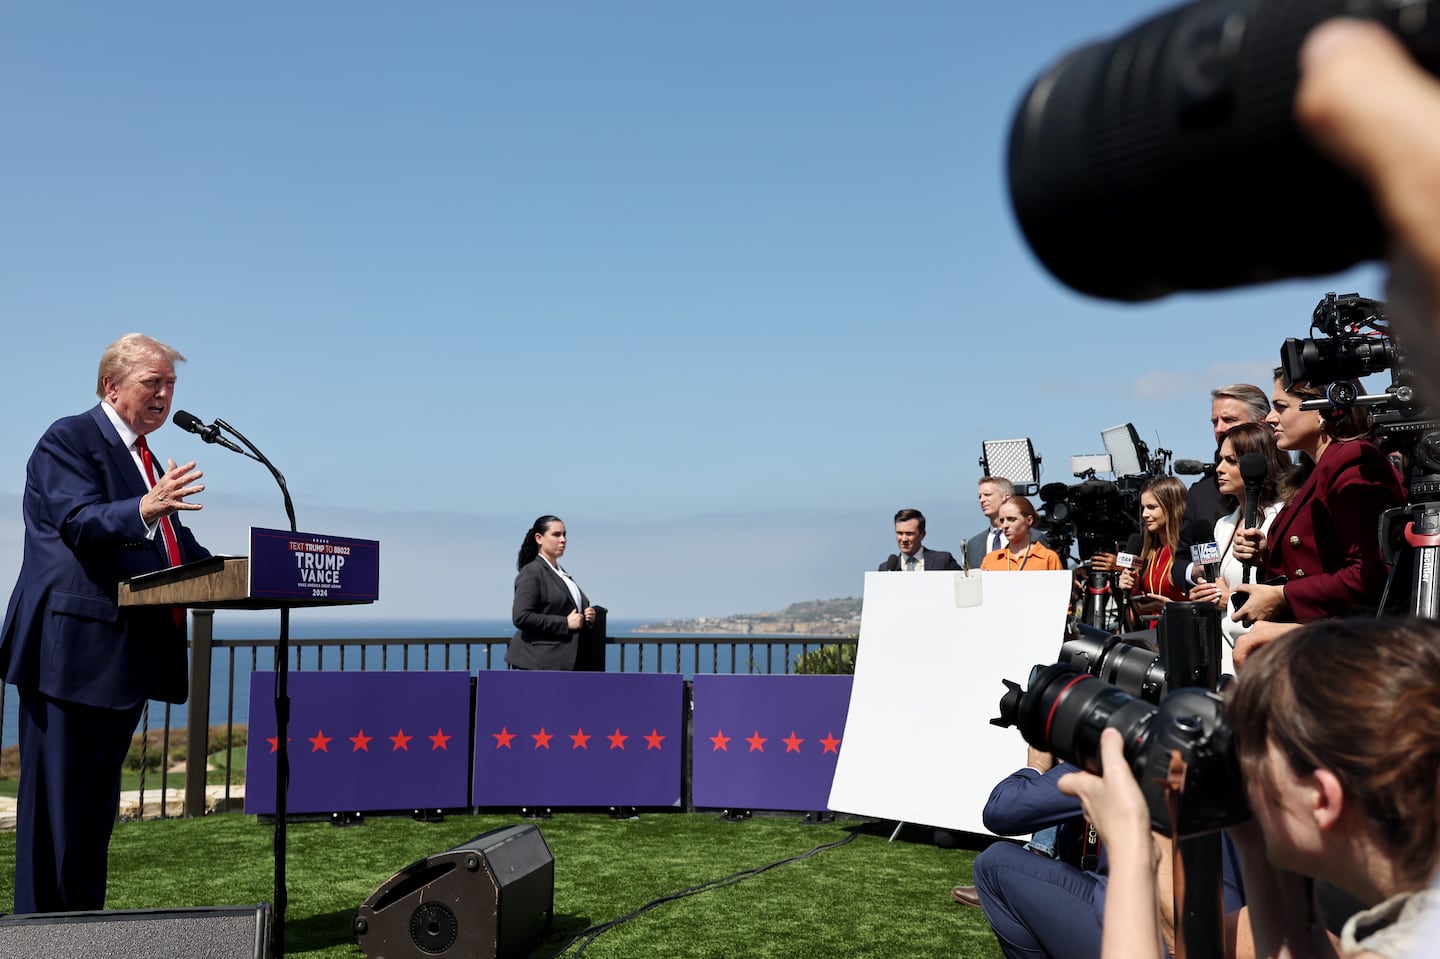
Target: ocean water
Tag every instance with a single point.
(304, 626)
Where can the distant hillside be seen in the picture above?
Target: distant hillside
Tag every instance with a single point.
(815, 616)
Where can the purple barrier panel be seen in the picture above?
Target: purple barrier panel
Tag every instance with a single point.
(767, 742)
(577, 739)
(362, 741)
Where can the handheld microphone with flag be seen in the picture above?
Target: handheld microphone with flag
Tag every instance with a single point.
(191, 423)
(1204, 549)
(1253, 470)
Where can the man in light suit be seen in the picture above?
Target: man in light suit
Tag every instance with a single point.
(909, 535)
(84, 667)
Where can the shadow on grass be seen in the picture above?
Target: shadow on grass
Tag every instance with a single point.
(917, 835)
(563, 929)
(322, 931)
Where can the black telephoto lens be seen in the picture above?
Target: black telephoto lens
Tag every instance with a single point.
(1168, 158)
(1065, 709)
(1135, 669)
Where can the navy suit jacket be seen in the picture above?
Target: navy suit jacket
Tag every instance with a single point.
(542, 603)
(64, 634)
(935, 559)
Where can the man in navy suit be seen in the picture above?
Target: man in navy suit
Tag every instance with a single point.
(909, 535)
(98, 510)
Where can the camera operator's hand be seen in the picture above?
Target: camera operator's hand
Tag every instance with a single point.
(1265, 603)
(1113, 802)
(1262, 633)
(1103, 562)
(1250, 546)
(1364, 101)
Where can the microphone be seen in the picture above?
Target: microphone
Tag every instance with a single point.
(1130, 555)
(1253, 470)
(892, 564)
(191, 423)
(1194, 468)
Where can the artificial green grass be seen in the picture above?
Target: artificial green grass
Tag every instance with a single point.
(866, 898)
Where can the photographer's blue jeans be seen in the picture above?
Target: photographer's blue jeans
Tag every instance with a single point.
(1044, 841)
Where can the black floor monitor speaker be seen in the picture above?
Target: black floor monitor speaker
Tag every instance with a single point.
(205, 932)
(490, 898)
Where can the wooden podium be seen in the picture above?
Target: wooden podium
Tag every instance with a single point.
(267, 582)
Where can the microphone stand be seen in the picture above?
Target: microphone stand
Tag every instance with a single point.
(282, 716)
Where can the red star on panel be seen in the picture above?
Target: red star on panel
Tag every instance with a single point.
(320, 743)
(362, 742)
(580, 738)
(542, 738)
(439, 740)
(721, 741)
(503, 737)
(757, 742)
(274, 742)
(792, 742)
(653, 740)
(401, 741)
(831, 744)
(617, 740)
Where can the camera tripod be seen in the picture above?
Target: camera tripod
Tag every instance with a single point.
(1103, 603)
(1422, 537)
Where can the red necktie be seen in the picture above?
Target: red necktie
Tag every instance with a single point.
(167, 531)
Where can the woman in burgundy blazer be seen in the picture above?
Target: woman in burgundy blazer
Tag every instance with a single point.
(1324, 542)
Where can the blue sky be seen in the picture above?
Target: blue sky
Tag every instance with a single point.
(662, 269)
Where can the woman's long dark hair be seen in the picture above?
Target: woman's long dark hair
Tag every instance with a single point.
(529, 549)
(1259, 438)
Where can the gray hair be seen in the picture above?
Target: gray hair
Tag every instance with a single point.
(122, 357)
(1253, 397)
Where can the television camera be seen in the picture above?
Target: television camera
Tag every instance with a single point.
(1355, 341)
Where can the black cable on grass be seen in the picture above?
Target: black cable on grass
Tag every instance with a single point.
(594, 932)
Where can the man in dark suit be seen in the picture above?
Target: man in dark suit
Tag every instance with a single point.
(993, 492)
(1229, 406)
(909, 535)
(84, 667)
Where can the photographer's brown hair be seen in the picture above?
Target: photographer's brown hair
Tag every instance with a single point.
(1361, 698)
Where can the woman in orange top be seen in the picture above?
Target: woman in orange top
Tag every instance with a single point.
(1162, 504)
(1016, 518)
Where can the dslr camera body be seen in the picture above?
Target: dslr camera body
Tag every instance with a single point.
(1165, 705)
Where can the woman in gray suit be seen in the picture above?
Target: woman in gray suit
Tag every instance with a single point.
(550, 610)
